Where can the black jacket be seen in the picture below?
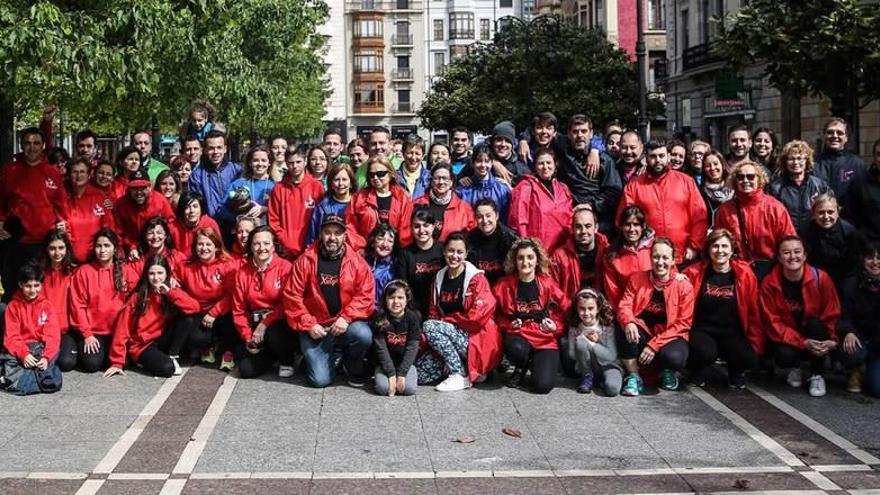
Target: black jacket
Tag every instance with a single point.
(835, 250)
(798, 200)
(864, 202)
(602, 192)
(840, 169)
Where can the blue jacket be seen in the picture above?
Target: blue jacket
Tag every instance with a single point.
(422, 186)
(383, 272)
(491, 188)
(327, 206)
(213, 184)
(259, 189)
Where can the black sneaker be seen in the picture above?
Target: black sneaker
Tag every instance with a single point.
(516, 378)
(737, 381)
(698, 379)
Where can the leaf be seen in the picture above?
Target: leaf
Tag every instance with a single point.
(741, 484)
(465, 439)
(511, 432)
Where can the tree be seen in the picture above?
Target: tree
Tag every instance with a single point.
(544, 65)
(115, 63)
(827, 48)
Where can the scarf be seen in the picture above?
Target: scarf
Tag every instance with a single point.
(441, 201)
(659, 284)
(717, 193)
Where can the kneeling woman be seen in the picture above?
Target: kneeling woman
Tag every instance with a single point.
(143, 330)
(655, 312)
(802, 310)
(530, 315)
(460, 329)
(727, 322)
(257, 311)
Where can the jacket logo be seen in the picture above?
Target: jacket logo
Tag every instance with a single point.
(310, 203)
(329, 280)
(42, 319)
(720, 291)
(218, 278)
(98, 210)
(450, 297)
(50, 184)
(428, 268)
(528, 307)
(277, 283)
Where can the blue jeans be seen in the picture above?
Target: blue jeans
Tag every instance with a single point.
(318, 354)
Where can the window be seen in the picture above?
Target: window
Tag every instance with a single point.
(506, 4)
(368, 61)
(402, 36)
(656, 14)
(438, 29)
(368, 4)
(369, 95)
(461, 25)
(403, 102)
(458, 51)
(685, 32)
(402, 4)
(403, 62)
(484, 29)
(403, 29)
(368, 28)
(704, 21)
(439, 63)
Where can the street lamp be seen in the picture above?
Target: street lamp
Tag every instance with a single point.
(640, 60)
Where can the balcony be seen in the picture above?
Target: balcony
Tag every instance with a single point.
(698, 56)
(382, 5)
(401, 39)
(404, 107)
(369, 107)
(402, 74)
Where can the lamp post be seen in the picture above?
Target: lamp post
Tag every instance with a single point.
(640, 60)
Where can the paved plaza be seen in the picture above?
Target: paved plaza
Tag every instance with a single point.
(207, 432)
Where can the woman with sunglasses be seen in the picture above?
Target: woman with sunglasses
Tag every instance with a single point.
(758, 221)
(383, 200)
(452, 214)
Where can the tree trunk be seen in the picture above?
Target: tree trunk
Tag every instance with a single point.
(7, 128)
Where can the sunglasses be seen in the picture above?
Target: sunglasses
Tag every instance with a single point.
(380, 174)
(742, 177)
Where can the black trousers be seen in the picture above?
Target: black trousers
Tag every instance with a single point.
(791, 357)
(96, 361)
(543, 363)
(671, 356)
(280, 344)
(67, 353)
(733, 347)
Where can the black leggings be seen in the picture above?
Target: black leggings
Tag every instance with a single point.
(280, 344)
(191, 334)
(156, 362)
(97, 361)
(67, 353)
(672, 356)
(544, 363)
(156, 358)
(792, 357)
(734, 347)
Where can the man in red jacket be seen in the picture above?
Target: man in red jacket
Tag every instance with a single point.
(291, 204)
(32, 203)
(330, 294)
(578, 263)
(139, 204)
(671, 202)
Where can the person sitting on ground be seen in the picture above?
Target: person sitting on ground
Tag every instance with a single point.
(630, 253)
(863, 337)
(419, 262)
(592, 343)
(490, 241)
(397, 332)
(58, 268)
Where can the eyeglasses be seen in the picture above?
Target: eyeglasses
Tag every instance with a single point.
(742, 177)
(442, 179)
(378, 175)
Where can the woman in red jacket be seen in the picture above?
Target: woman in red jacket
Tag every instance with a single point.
(190, 217)
(243, 228)
(382, 201)
(86, 209)
(629, 253)
(759, 221)
(97, 294)
(540, 205)
(801, 310)
(655, 314)
(452, 214)
(104, 179)
(156, 239)
(727, 322)
(530, 315)
(144, 331)
(207, 276)
(58, 268)
(257, 309)
(460, 329)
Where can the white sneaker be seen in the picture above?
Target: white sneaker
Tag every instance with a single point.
(817, 386)
(177, 370)
(285, 371)
(453, 383)
(795, 377)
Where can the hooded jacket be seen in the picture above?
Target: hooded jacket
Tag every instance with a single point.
(304, 304)
(566, 268)
(212, 183)
(842, 170)
(31, 321)
(621, 265)
(820, 301)
(798, 199)
(552, 300)
(457, 217)
(484, 340)
(257, 291)
(766, 223)
(534, 212)
(290, 211)
(35, 195)
(363, 215)
(679, 296)
(834, 250)
(56, 287)
(86, 216)
(491, 188)
(131, 217)
(184, 236)
(422, 184)
(94, 301)
(210, 284)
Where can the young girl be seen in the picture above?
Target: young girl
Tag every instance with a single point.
(200, 120)
(168, 185)
(255, 178)
(342, 186)
(592, 345)
(397, 334)
(31, 338)
(484, 185)
(143, 329)
(317, 163)
(58, 267)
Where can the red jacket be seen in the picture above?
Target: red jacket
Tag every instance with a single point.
(553, 301)
(211, 284)
(94, 301)
(673, 208)
(458, 216)
(137, 332)
(114, 191)
(290, 211)
(184, 236)
(566, 269)
(56, 287)
(259, 290)
(130, 218)
(820, 301)
(767, 222)
(620, 267)
(33, 194)
(87, 216)
(746, 285)
(679, 296)
(31, 321)
(304, 304)
(362, 215)
(535, 213)
(174, 257)
(484, 340)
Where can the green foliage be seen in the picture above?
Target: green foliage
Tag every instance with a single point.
(116, 62)
(547, 65)
(819, 47)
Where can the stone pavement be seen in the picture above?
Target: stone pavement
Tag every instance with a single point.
(207, 432)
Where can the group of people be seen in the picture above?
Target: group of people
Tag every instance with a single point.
(526, 254)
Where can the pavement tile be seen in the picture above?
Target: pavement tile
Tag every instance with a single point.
(171, 428)
(607, 485)
(151, 456)
(499, 486)
(370, 487)
(131, 487)
(246, 487)
(257, 455)
(46, 455)
(851, 480)
(64, 429)
(703, 483)
(373, 456)
(40, 487)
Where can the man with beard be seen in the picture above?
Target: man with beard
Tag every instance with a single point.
(489, 241)
(739, 142)
(578, 264)
(143, 141)
(139, 204)
(671, 202)
(837, 166)
(630, 165)
(329, 296)
(461, 149)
